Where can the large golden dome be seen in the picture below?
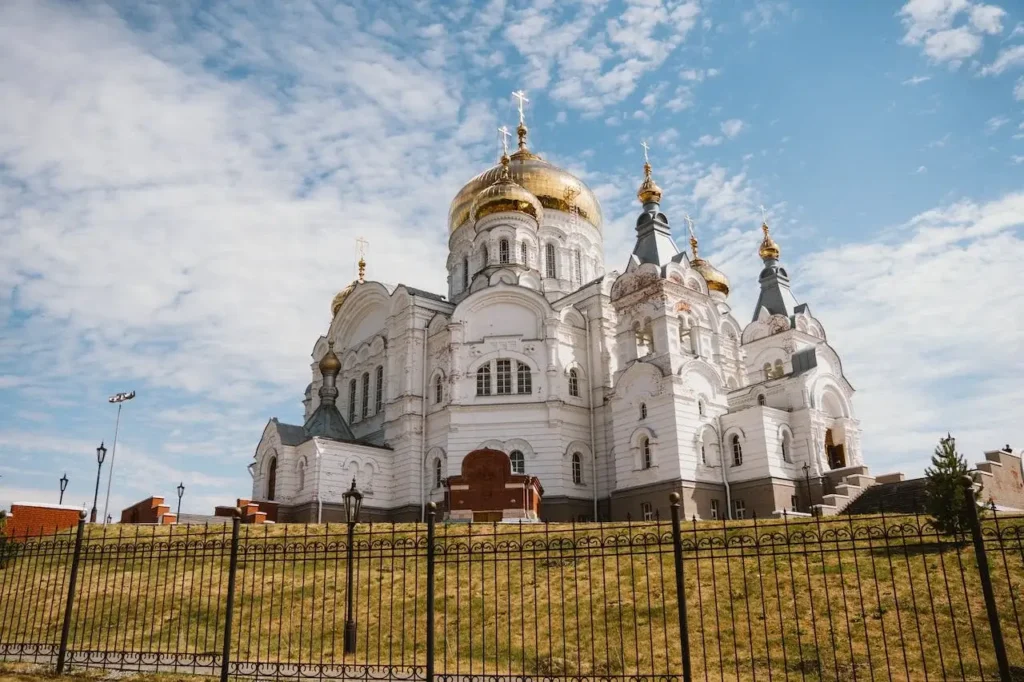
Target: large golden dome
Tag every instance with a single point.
(504, 195)
(555, 188)
(340, 297)
(716, 279)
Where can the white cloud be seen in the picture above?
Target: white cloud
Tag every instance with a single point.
(931, 24)
(732, 127)
(912, 329)
(995, 123)
(917, 80)
(1011, 57)
(1017, 159)
(765, 14)
(707, 141)
(920, 170)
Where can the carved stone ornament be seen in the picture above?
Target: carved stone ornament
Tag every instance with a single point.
(682, 306)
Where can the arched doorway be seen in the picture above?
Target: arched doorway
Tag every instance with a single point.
(836, 453)
(272, 478)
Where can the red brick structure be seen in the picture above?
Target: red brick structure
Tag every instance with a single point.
(27, 519)
(252, 512)
(487, 490)
(150, 510)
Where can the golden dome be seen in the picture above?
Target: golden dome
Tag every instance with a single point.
(339, 298)
(649, 190)
(504, 195)
(553, 187)
(716, 279)
(769, 249)
(329, 363)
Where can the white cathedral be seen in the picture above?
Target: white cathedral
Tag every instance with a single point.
(612, 389)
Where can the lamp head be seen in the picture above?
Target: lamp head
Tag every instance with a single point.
(101, 453)
(181, 489)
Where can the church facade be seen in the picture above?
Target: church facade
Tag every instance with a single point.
(612, 389)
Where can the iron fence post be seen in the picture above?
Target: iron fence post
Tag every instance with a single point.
(431, 514)
(65, 630)
(684, 630)
(229, 608)
(986, 579)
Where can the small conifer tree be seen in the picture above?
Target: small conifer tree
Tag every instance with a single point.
(946, 491)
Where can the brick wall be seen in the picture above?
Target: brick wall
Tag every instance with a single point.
(26, 520)
(149, 510)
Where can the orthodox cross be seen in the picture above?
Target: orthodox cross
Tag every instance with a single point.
(643, 143)
(361, 245)
(764, 215)
(689, 223)
(521, 96)
(505, 134)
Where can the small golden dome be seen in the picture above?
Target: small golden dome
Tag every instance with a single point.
(649, 190)
(769, 249)
(716, 279)
(329, 363)
(339, 298)
(505, 195)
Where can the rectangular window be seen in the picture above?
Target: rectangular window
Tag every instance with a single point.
(378, 401)
(794, 502)
(647, 511)
(739, 509)
(579, 267)
(504, 377)
(483, 380)
(714, 510)
(366, 394)
(524, 383)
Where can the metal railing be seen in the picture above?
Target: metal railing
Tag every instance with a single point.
(840, 598)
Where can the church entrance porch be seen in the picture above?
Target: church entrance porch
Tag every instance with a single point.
(487, 490)
(836, 453)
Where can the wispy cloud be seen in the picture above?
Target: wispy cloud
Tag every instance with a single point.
(931, 24)
(1011, 57)
(917, 80)
(995, 123)
(732, 127)
(708, 141)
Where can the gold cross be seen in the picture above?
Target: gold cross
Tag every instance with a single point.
(505, 134)
(643, 143)
(764, 215)
(521, 96)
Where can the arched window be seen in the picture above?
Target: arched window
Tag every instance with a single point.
(644, 339)
(779, 369)
(518, 462)
(366, 394)
(643, 411)
(549, 261)
(645, 452)
(302, 474)
(524, 381)
(578, 266)
(503, 251)
(761, 399)
(483, 379)
(465, 274)
(484, 254)
(577, 468)
(378, 399)
(700, 407)
(767, 370)
(524, 253)
(786, 456)
(504, 376)
(438, 389)
(437, 473)
(684, 329)
(272, 479)
(737, 451)
(351, 401)
(703, 454)
(574, 383)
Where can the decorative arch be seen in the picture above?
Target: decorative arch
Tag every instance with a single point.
(509, 445)
(827, 385)
(366, 311)
(709, 372)
(706, 445)
(437, 383)
(300, 472)
(786, 441)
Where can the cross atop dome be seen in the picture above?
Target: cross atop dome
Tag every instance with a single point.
(521, 129)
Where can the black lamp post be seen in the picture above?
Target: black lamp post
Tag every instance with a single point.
(101, 454)
(181, 491)
(353, 503)
(63, 486)
(807, 484)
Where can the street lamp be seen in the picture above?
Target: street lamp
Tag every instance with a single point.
(353, 503)
(181, 491)
(101, 454)
(63, 486)
(117, 398)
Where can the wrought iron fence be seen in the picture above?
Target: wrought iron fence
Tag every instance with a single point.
(841, 598)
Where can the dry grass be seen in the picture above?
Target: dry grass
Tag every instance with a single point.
(23, 672)
(555, 600)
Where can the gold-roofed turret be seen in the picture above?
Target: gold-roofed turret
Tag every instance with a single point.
(504, 194)
(339, 298)
(769, 249)
(716, 279)
(329, 363)
(649, 191)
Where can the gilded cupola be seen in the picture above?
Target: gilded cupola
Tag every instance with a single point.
(716, 279)
(504, 194)
(339, 298)
(769, 249)
(649, 192)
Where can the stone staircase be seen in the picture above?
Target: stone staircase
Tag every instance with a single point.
(852, 482)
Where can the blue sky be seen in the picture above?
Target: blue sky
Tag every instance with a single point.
(182, 184)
